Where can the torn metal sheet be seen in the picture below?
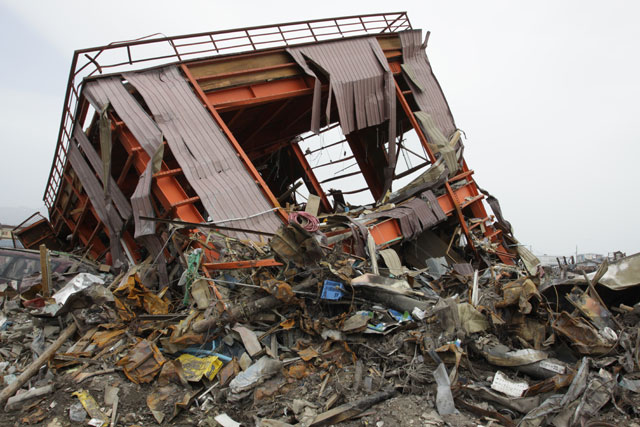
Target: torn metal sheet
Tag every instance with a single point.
(142, 363)
(621, 274)
(111, 91)
(423, 83)
(519, 292)
(501, 355)
(359, 79)
(440, 145)
(584, 337)
(105, 211)
(415, 215)
(362, 84)
(592, 309)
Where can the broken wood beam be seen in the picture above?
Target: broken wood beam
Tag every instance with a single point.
(35, 366)
(350, 410)
(16, 401)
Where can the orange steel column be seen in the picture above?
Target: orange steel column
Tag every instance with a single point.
(414, 123)
(311, 175)
(165, 186)
(236, 145)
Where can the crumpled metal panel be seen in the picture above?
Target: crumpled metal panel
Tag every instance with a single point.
(122, 204)
(423, 83)
(415, 216)
(105, 211)
(111, 90)
(361, 82)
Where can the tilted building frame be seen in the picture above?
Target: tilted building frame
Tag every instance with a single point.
(189, 128)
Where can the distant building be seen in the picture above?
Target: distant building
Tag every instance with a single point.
(549, 260)
(589, 257)
(6, 237)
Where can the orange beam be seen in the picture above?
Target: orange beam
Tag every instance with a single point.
(236, 145)
(414, 122)
(235, 265)
(243, 96)
(165, 186)
(311, 176)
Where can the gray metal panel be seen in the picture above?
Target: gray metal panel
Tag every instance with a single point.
(362, 83)
(106, 212)
(423, 83)
(357, 77)
(204, 153)
(121, 202)
(435, 207)
(111, 90)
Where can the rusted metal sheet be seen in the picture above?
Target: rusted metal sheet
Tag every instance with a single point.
(203, 151)
(423, 83)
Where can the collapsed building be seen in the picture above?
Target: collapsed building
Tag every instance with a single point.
(277, 225)
(218, 135)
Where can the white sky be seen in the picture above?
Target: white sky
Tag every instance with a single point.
(546, 91)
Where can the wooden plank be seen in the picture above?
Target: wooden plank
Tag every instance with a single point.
(231, 64)
(45, 270)
(251, 78)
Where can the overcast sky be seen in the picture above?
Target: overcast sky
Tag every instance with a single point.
(547, 93)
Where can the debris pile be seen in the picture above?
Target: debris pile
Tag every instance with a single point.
(316, 338)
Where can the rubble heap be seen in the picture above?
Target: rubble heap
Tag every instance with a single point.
(319, 339)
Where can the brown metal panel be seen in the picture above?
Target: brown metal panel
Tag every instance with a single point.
(423, 83)
(435, 207)
(204, 153)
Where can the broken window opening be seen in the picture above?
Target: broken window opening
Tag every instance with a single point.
(333, 162)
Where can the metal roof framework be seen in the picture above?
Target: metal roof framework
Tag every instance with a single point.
(153, 50)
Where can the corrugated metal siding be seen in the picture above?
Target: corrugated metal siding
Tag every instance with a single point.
(105, 211)
(203, 151)
(362, 83)
(122, 204)
(144, 129)
(112, 91)
(424, 85)
(357, 71)
(415, 216)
